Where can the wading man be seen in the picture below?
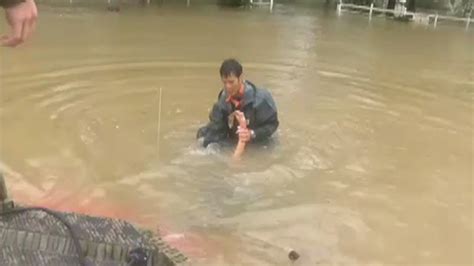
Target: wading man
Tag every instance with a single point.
(242, 112)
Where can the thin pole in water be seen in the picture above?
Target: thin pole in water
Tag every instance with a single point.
(435, 23)
(468, 21)
(159, 122)
(371, 10)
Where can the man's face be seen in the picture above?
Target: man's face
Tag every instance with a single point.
(232, 84)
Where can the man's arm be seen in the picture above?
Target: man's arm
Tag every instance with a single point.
(266, 117)
(21, 15)
(266, 130)
(216, 129)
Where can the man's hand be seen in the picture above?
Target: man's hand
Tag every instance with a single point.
(244, 134)
(22, 20)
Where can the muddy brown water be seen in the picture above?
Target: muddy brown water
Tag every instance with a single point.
(374, 157)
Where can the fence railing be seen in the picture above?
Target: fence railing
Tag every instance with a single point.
(434, 17)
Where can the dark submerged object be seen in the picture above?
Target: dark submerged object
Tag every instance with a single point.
(39, 236)
(113, 8)
(293, 255)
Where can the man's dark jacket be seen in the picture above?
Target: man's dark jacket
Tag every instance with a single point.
(258, 107)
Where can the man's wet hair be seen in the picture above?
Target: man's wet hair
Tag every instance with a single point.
(231, 67)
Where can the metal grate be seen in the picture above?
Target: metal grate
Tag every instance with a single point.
(36, 238)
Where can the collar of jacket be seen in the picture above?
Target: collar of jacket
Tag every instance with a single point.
(250, 94)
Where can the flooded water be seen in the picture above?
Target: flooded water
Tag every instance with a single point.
(374, 157)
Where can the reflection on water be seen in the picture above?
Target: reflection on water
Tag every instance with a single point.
(374, 157)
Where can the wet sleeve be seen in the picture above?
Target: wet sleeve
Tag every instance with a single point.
(216, 128)
(267, 129)
(267, 118)
(10, 3)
